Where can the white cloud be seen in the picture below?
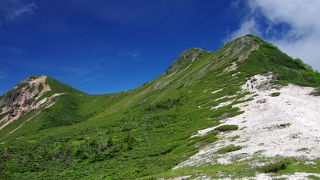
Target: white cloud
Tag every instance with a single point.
(11, 10)
(248, 26)
(301, 35)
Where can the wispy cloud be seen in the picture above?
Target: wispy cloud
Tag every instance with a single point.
(248, 26)
(133, 54)
(3, 73)
(12, 50)
(293, 25)
(88, 79)
(130, 54)
(67, 71)
(11, 10)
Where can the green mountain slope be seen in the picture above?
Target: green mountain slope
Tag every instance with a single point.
(145, 132)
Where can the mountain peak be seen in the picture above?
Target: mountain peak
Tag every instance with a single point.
(29, 94)
(34, 92)
(249, 37)
(245, 42)
(241, 46)
(186, 57)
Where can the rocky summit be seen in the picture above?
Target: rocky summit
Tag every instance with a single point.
(245, 111)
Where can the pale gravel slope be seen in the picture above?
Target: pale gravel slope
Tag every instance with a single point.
(263, 176)
(264, 132)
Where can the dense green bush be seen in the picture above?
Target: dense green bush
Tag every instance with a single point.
(229, 148)
(3, 115)
(40, 87)
(165, 105)
(31, 89)
(275, 94)
(275, 166)
(227, 128)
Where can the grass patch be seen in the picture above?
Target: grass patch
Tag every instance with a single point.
(243, 127)
(204, 140)
(275, 166)
(213, 171)
(303, 149)
(234, 138)
(228, 149)
(224, 128)
(313, 177)
(285, 125)
(31, 89)
(275, 94)
(40, 87)
(3, 115)
(261, 101)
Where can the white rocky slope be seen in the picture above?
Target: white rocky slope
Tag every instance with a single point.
(285, 125)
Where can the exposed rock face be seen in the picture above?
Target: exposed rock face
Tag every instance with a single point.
(243, 46)
(23, 98)
(189, 55)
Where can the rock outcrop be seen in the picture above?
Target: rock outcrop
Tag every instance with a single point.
(28, 95)
(189, 55)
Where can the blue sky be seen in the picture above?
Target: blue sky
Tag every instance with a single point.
(105, 46)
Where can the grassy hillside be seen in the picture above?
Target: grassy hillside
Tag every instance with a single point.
(142, 132)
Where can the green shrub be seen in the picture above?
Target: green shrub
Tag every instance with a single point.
(234, 138)
(34, 77)
(275, 94)
(203, 140)
(313, 177)
(22, 85)
(229, 148)
(227, 128)
(275, 166)
(254, 80)
(109, 142)
(303, 149)
(261, 101)
(40, 87)
(29, 101)
(164, 105)
(284, 125)
(315, 92)
(3, 115)
(130, 141)
(31, 90)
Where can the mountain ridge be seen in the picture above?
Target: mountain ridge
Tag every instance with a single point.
(151, 129)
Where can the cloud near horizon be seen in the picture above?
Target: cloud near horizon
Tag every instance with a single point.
(292, 25)
(10, 10)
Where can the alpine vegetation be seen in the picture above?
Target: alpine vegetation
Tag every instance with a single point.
(247, 110)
